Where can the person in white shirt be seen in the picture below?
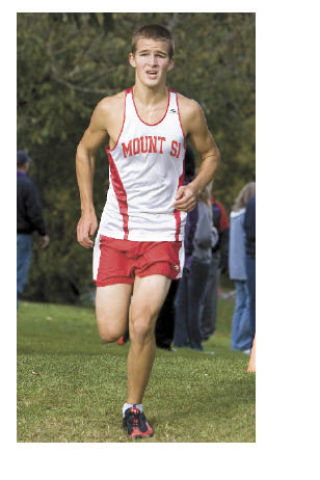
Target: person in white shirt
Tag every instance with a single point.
(139, 244)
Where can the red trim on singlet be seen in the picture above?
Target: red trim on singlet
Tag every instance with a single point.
(177, 213)
(177, 101)
(150, 124)
(122, 126)
(120, 193)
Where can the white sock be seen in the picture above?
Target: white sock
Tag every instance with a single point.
(130, 405)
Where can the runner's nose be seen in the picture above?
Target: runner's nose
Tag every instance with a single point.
(153, 60)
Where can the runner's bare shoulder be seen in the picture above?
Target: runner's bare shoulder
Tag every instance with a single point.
(111, 108)
(190, 111)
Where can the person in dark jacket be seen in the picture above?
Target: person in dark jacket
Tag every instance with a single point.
(198, 249)
(29, 219)
(250, 233)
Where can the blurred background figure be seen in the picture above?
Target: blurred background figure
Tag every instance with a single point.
(218, 264)
(250, 232)
(29, 219)
(200, 237)
(166, 319)
(241, 332)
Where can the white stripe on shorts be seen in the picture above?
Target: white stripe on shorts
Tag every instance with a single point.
(96, 257)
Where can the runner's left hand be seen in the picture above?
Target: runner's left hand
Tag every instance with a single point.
(185, 199)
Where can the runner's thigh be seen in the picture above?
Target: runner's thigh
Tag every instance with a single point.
(112, 306)
(149, 293)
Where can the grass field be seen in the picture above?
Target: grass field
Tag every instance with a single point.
(71, 386)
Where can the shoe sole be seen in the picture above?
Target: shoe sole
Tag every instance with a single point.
(133, 436)
(137, 437)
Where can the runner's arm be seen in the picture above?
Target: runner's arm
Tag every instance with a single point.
(204, 144)
(85, 160)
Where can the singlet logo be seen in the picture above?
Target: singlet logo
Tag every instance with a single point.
(149, 144)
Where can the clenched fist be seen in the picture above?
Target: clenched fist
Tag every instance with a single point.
(185, 199)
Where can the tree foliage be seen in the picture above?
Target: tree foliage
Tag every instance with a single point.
(67, 62)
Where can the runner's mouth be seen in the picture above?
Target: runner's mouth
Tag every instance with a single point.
(152, 73)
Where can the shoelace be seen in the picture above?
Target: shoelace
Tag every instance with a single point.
(134, 418)
(135, 421)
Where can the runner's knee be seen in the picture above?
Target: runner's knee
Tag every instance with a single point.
(108, 334)
(109, 330)
(142, 324)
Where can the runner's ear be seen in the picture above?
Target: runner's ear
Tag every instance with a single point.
(171, 64)
(132, 60)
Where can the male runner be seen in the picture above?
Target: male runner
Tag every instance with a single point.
(139, 245)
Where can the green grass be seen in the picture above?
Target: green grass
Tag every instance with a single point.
(71, 386)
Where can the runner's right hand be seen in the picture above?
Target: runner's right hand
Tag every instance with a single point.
(86, 228)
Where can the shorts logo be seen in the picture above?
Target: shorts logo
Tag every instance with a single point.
(173, 110)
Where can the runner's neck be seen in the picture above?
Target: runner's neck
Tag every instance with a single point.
(149, 97)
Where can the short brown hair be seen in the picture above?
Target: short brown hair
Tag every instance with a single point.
(156, 32)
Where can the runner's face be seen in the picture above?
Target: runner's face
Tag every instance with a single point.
(151, 61)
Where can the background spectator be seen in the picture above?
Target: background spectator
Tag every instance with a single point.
(193, 282)
(29, 219)
(166, 319)
(218, 263)
(241, 337)
(250, 231)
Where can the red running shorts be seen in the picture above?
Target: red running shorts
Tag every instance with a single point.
(120, 261)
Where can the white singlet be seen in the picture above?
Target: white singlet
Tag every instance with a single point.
(146, 167)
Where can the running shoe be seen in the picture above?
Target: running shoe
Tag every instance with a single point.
(136, 423)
